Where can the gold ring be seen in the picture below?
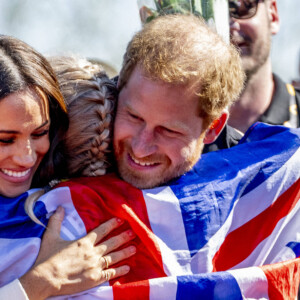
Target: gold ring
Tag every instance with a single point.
(106, 262)
(107, 276)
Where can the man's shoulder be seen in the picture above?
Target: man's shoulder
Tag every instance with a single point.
(283, 107)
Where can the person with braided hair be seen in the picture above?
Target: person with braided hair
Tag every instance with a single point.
(91, 99)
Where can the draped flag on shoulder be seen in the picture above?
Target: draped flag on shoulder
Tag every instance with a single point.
(228, 229)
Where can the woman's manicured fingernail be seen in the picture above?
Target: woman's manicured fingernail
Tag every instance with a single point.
(120, 221)
(131, 233)
(126, 268)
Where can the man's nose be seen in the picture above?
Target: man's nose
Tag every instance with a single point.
(143, 143)
(25, 155)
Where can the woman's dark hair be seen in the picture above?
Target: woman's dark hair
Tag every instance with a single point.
(22, 67)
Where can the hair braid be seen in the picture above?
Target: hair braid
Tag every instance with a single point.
(90, 96)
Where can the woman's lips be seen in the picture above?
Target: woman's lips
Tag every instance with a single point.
(16, 176)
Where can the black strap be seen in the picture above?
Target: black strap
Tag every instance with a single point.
(297, 97)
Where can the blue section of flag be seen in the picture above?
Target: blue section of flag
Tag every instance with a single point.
(295, 247)
(208, 286)
(13, 217)
(275, 136)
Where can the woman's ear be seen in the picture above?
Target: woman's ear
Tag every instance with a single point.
(215, 128)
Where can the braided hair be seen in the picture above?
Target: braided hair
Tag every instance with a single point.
(90, 96)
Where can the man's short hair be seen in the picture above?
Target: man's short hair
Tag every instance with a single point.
(183, 50)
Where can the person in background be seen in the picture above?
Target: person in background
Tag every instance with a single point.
(296, 81)
(265, 96)
(33, 123)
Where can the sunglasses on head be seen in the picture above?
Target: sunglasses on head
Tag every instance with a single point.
(242, 9)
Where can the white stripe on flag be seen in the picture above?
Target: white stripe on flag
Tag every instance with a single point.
(258, 280)
(72, 227)
(163, 288)
(167, 224)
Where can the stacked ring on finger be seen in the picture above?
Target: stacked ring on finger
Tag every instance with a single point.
(106, 262)
(106, 276)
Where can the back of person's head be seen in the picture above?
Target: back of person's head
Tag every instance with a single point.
(109, 69)
(90, 96)
(22, 67)
(183, 50)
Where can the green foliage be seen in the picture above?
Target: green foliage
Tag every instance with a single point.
(202, 8)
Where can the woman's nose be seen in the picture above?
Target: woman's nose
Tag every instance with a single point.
(25, 155)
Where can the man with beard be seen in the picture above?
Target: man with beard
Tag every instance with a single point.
(172, 100)
(265, 97)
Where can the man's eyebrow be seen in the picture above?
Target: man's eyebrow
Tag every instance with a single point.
(177, 126)
(16, 132)
(130, 107)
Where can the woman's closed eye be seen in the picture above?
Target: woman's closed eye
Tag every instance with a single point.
(40, 134)
(6, 140)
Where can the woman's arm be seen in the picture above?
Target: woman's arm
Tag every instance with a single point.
(67, 267)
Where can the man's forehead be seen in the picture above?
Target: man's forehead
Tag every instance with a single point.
(140, 77)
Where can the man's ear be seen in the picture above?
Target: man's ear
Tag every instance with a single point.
(215, 128)
(273, 16)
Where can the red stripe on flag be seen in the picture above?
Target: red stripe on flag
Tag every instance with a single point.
(239, 244)
(133, 291)
(283, 279)
(99, 199)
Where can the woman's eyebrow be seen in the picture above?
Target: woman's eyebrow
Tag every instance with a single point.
(16, 132)
(9, 131)
(45, 123)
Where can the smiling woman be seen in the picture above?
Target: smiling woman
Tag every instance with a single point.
(29, 98)
(24, 139)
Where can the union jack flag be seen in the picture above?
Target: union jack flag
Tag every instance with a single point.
(228, 229)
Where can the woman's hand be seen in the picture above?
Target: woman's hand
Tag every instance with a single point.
(68, 267)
